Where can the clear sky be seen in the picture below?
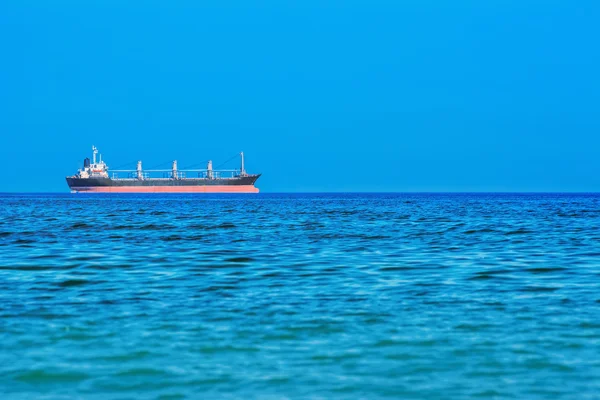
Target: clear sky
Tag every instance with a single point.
(419, 95)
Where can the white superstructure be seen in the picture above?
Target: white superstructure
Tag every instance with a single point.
(96, 168)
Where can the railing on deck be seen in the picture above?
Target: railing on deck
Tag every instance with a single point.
(181, 174)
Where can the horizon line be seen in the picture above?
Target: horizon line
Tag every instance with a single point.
(320, 192)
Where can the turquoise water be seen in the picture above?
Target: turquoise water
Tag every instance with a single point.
(344, 296)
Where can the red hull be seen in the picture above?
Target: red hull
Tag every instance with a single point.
(168, 189)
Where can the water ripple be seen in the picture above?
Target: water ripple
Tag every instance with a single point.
(300, 296)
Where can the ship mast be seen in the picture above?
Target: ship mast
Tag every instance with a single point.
(242, 171)
(174, 169)
(209, 170)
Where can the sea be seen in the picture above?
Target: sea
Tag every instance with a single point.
(300, 296)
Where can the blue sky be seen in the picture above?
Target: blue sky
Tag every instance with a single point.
(320, 95)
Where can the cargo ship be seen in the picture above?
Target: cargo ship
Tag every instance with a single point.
(94, 178)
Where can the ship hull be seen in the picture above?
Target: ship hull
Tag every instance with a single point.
(243, 184)
(166, 189)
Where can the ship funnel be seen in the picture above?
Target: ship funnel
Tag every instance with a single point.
(139, 170)
(175, 169)
(86, 163)
(209, 170)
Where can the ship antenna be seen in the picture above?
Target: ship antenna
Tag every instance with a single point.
(94, 152)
